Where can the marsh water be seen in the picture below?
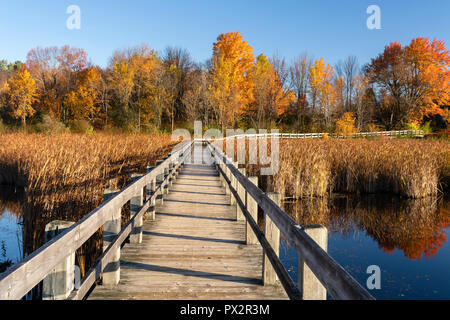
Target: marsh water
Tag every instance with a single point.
(407, 239)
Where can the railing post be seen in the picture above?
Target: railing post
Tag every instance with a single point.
(159, 182)
(272, 234)
(136, 204)
(227, 174)
(241, 194)
(171, 166)
(58, 284)
(151, 188)
(111, 228)
(252, 207)
(309, 285)
(233, 184)
(165, 189)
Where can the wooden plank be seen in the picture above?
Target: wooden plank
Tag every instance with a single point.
(195, 249)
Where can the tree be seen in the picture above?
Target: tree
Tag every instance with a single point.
(55, 71)
(271, 99)
(232, 85)
(414, 79)
(182, 61)
(196, 97)
(144, 62)
(83, 101)
(348, 70)
(298, 78)
(321, 89)
(345, 125)
(364, 101)
(21, 89)
(428, 78)
(121, 79)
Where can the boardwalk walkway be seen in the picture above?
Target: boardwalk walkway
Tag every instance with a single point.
(194, 250)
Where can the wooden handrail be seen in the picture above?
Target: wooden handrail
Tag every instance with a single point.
(338, 282)
(22, 277)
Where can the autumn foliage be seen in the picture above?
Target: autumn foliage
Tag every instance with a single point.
(142, 90)
(345, 125)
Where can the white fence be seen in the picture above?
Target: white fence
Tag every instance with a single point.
(410, 133)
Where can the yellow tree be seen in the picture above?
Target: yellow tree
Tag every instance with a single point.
(82, 102)
(319, 81)
(21, 89)
(321, 88)
(121, 82)
(232, 84)
(144, 63)
(345, 126)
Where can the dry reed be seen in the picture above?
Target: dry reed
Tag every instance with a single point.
(64, 176)
(316, 168)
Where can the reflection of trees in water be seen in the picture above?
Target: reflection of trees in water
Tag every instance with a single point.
(9, 201)
(414, 226)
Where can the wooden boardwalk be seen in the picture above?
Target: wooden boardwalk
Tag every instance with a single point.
(195, 249)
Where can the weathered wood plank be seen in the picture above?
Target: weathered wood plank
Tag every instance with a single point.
(195, 249)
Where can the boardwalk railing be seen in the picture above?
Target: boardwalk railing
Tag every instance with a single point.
(402, 133)
(24, 276)
(338, 282)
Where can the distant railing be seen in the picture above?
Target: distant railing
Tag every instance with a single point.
(408, 133)
(244, 193)
(17, 281)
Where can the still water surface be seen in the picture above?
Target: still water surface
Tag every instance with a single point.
(407, 239)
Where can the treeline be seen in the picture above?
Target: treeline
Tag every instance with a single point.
(142, 90)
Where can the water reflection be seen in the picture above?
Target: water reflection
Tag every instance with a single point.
(409, 238)
(10, 227)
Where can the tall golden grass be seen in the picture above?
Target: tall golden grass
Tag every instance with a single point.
(64, 176)
(316, 168)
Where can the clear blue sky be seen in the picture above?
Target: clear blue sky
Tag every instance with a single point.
(332, 29)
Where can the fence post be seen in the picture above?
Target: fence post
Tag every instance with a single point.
(136, 204)
(241, 194)
(111, 228)
(58, 284)
(309, 285)
(252, 207)
(272, 234)
(151, 188)
(159, 182)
